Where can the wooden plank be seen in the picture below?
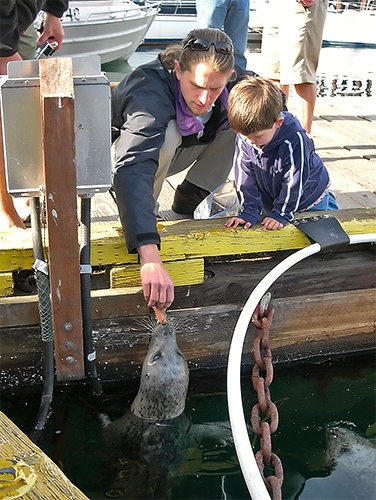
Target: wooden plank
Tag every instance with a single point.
(46, 480)
(232, 281)
(182, 272)
(344, 133)
(211, 238)
(349, 193)
(104, 208)
(105, 303)
(195, 238)
(58, 135)
(304, 326)
(225, 282)
(360, 170)
(6, 286)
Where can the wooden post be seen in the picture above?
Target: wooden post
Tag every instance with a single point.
(58, 137)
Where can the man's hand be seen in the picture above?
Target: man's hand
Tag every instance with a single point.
(157, 285)
(52, 30)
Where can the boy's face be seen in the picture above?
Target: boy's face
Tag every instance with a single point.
(200, 87)
(263, 137)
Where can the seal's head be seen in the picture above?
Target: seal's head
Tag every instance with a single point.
(164, 378)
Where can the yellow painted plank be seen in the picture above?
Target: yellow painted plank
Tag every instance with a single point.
(44, 478)
(188, 239)
(184, 272)
(6, 284)
(207, 238)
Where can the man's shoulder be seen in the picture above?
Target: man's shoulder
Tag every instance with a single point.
(151, 74)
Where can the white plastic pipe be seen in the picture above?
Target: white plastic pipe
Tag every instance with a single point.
(248, 465)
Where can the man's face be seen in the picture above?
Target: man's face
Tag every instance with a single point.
(200, 86)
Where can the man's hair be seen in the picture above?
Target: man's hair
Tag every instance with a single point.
(221, 63)
(254, 104)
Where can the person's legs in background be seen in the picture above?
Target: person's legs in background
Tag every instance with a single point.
(230, 15)
(300, 44)
(236, 26)
(211, 13)
(307, 101)
(291, 46)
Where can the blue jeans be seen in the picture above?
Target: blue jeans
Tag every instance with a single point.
(327, 203)
(230, 15)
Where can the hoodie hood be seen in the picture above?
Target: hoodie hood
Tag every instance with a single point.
(289, 127)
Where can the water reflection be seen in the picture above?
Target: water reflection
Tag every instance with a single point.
(342, 71)
(328, 86)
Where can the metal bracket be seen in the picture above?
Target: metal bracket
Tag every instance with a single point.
(324, 230)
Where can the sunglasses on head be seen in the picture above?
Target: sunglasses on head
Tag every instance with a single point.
(202, 44)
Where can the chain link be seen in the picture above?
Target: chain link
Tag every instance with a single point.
(265, 410)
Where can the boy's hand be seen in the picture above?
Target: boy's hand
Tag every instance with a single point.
(236, 221)
(270, 224)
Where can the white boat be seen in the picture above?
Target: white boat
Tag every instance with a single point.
(354, 25)
(351, 27)
(177, 17)
(112, 29)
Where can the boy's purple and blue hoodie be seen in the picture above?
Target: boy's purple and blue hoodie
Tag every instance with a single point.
(285, 177)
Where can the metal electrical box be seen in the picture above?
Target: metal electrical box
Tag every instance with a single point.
(22, 128)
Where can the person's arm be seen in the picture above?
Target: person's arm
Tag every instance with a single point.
(246, 182)
(14, 21)
(4, 61)
(142, 106)
(52, 27)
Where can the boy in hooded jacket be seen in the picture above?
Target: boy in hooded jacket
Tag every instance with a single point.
(276, 168)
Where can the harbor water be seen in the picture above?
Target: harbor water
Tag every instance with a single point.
(342, 71)
(311, 397)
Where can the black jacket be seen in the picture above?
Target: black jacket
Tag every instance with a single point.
(17, 15)
(142, 105)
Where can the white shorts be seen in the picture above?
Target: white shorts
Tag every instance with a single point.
(291, 41)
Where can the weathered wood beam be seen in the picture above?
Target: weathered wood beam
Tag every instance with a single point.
(58, 138)
(45, 478)
(303, 327)
(226, 282)
(188, 238)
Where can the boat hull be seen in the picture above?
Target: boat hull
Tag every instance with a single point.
(113, 30)
(350, 29)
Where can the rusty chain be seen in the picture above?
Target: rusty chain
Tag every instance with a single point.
(262, 377)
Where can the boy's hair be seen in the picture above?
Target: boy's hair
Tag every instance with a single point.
(221, 63)
(254, 104)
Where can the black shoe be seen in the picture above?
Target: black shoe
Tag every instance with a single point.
(24, 281)
(186, 203)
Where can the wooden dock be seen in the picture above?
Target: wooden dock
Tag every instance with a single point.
(27, 472)
(324, 305)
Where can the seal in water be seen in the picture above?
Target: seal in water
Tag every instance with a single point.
(164, 378)
(351, 460)
(148, 445)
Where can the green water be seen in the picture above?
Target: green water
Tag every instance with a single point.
(310, 398)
